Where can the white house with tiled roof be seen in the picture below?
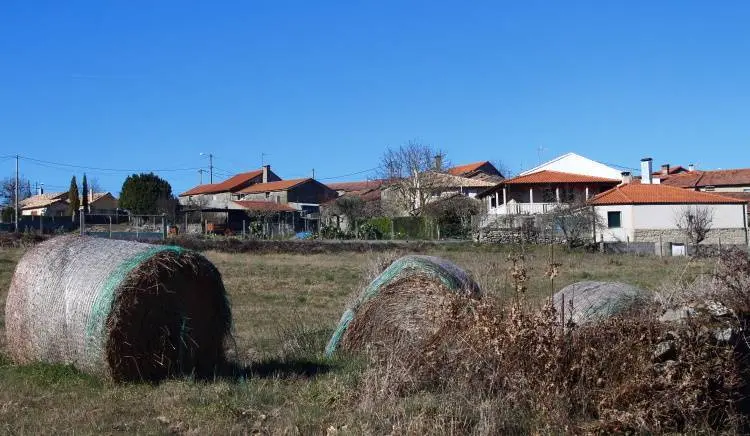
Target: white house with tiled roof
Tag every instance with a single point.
(642, 211)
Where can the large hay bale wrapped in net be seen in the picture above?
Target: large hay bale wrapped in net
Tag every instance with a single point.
(406, 303)
(589, 301)
(117, 309)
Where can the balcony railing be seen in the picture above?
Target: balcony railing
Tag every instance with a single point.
(522, 208)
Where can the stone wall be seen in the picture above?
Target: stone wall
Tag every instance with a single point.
(715, 236)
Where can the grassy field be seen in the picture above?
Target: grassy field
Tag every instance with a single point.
(284, 308)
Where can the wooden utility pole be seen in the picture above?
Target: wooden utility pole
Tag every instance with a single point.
(17, 193)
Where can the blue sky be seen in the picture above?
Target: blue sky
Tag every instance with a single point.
(329, 85)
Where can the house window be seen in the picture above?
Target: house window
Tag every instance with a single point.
(493, 202)
(268, 194)
(613, 220)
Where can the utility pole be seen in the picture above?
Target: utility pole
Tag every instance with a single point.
(211, 166)
(17, 192)
(313, 171)
(200, 173)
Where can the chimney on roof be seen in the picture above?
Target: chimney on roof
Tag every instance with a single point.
(626, 177)
(665, 170)
(91, 195)
(691, 167)
(646, 170)
(438, 162)
(266, 169)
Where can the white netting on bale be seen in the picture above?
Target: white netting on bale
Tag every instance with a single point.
(117, 309)
(588, 301)
(406, 303)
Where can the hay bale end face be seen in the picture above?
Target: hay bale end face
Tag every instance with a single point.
(117, 309)
(589, 301)
(405, 303)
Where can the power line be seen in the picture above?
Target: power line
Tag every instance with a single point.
(84, 167)
(350, 174)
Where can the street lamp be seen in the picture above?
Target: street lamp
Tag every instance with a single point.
(210, 166)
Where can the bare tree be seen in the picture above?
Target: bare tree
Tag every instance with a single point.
(575, 221)
(94, 185)
(8, 190)
(408, 174)
(695, 222)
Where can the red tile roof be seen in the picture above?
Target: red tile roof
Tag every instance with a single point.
(547, 176)
(355, 186)
(266, 206)
(638, 193)
(696, 179)
(229, 185)
(463, 169)
(281, 185)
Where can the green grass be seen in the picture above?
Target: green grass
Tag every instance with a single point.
(284, 307)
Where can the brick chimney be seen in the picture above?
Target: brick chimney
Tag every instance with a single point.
(266, 169)
(438, 162)
(646, 170)
(626, 177)
(665, 170)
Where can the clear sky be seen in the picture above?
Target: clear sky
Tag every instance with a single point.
(126, 84)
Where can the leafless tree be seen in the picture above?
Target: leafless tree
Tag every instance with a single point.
(8, 190)
(695, 222)
(575, 221)
(408, 175)
(94, 185)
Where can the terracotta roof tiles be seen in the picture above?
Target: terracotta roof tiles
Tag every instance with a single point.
(281, 185)
(547, 176)
(265, 206)
(638, 193)
(229, 185)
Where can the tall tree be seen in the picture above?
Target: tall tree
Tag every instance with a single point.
(74, 201)
(85, 192)
(146, 194)
(409, 174)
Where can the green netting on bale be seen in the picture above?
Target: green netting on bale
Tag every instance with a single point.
(450, 275)
(100, 310)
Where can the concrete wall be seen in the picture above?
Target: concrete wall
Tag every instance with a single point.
(207, 201)
(279, 197)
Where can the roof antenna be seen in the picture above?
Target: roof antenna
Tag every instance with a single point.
(539, 151)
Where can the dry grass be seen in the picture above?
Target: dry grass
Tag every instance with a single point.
(285, 306)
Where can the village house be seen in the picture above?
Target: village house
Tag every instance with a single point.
(569, 178)
(369, 192)
(644, 211)
(220, 195)
(57, 204)
(478, 170)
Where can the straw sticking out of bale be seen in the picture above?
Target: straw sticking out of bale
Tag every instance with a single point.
(405, 303)
(117, 309)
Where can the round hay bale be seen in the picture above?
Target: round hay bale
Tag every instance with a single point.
(590, 301)
(117, 309)
(405, 304)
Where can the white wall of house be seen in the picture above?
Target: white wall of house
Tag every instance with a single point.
(577, 164)
(662, 217)
(623, 233)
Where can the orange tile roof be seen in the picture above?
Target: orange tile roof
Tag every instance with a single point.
(463, 169)
(638, 193)
(266, 206)
(695, 179)
(547, 176)
(229, 185)
(281, 185)
(355, 186)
